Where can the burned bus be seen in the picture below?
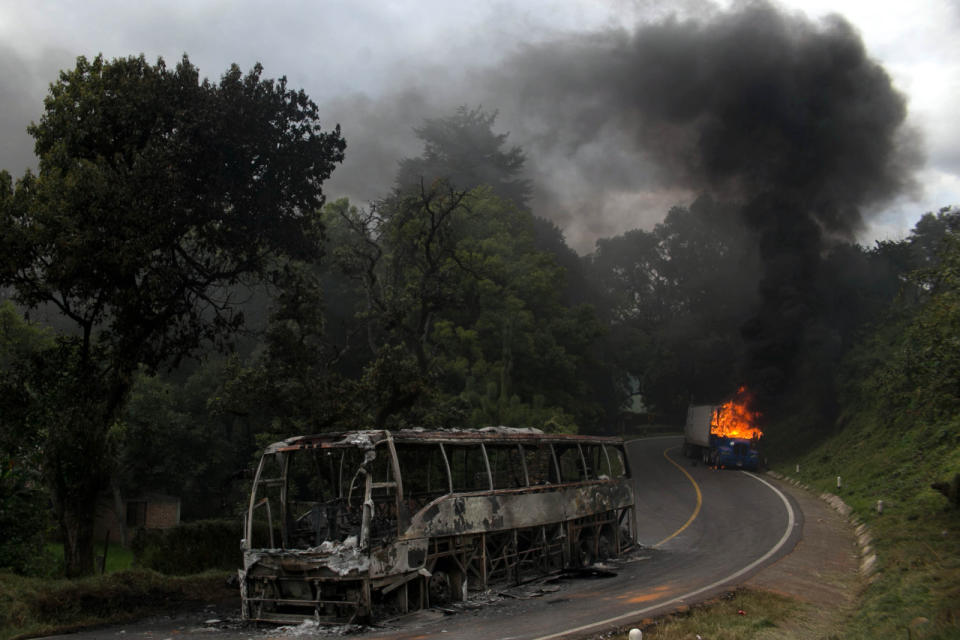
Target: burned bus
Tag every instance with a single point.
(363, 524)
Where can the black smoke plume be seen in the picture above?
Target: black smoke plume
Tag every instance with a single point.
(786, 117)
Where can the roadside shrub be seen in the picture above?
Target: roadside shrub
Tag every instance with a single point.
(23, 521)
(31, 607)
(190, 547)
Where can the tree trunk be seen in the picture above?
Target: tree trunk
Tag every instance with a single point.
(77, 519)
(78, 465)
(119, 512)
(79, 408)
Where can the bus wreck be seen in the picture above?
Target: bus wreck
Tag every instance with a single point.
(357, 525)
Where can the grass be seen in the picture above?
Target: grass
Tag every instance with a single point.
(916, 590)
(48, 603)
(118, 557)
(31, 607)
(742, 614)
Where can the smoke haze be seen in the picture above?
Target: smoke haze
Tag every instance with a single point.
(21, 81)
(618, 126)
(787, 118)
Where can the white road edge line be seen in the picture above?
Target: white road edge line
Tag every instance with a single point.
(791, 519)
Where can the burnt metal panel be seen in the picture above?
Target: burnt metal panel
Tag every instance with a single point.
(511, 509)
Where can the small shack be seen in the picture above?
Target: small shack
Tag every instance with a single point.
(149, 511)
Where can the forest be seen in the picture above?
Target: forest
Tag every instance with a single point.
(180, 290)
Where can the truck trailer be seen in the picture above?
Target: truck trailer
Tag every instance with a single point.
(705, 439)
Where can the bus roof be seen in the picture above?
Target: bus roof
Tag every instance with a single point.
(368, 439)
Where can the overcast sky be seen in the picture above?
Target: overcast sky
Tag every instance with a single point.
(380, 67)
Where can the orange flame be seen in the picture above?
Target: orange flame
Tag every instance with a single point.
(735, 419)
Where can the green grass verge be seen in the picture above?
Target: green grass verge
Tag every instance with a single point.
(118, 557)
(742, 614)
(35, 606)
(917, 537)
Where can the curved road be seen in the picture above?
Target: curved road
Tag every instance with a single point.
(702, 531)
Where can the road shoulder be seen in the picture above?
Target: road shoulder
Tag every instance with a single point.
(821, 573)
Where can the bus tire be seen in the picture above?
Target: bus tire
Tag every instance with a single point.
(605, 549)
(585, 555)
(440, 588)
(446, 585)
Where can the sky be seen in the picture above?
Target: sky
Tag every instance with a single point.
(379, 68)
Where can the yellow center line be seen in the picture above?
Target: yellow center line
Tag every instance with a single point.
(696, 488)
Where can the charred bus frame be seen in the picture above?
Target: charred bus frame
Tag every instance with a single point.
(351, 525)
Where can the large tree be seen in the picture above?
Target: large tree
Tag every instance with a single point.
(463, 150)
(157, 194)
(463, 316)
(675, 299)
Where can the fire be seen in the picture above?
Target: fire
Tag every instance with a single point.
(734, 418)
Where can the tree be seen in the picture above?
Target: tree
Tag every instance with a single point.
(463, 150)
(916, 370)
(439, 308)
(463, 316)
(173, 439)
(157, 192)
(405, 255)
(675, 298)
(23, 512)
(295, 382)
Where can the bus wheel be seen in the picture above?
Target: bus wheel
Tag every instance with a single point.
(605, 546)
(440, 588)
(446, 586)
(585, 556)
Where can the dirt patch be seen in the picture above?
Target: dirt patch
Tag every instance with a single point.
(822, 572)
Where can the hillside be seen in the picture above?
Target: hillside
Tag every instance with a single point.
(898, 433)
(916, 536)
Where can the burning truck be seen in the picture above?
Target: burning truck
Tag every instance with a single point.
(724, 435)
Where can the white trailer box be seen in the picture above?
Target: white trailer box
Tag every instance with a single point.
(697, 430)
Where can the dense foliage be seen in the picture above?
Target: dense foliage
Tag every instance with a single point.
(31, 607)
(156, 194)
(189, 548)
(463, 150)
(897, 439)
(914, 366)
(23, 514)
(676, 297)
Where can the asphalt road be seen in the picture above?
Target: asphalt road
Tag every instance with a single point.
(702, 531)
